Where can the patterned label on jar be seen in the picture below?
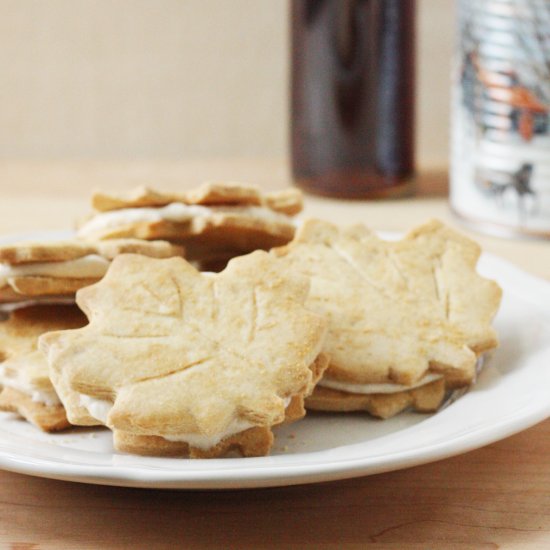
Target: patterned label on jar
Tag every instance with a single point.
(500, 171)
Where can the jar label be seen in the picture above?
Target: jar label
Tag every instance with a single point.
(500, 161)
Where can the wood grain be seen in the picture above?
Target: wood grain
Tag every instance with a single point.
(495, 497)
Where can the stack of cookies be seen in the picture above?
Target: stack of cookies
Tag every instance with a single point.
(179, 362)
(215, 222)
(38, 282)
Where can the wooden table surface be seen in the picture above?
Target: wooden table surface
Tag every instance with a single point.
(498, 496)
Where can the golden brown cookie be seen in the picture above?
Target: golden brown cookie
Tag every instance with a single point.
(49, 418)
(216, 219)
(255, 441)
(288, 201)
(251, 442)
(398, 311)
(53, 270)
(205, 362)
(27, 389)
(425, 398)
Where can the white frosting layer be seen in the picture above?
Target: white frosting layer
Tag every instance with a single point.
(209, 441)
(175, 212)
(376, 388)
(91, 266)
(46, 397)
(99, 409)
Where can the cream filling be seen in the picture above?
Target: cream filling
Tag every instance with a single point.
(99, 409)
(175, 212)
(46, 397)
(92, 266)
(208, 441)
(376, 388)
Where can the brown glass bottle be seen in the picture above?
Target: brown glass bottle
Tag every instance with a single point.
(352, 125)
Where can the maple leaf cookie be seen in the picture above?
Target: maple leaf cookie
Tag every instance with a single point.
(26, 386)
(407, 319)
(54, 270)
(215, 222)
(177, 362)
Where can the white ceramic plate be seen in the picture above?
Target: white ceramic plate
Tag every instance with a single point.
(512, 394)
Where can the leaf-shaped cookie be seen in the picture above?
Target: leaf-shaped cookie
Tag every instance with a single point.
(215, 222)
(54, 270)
(396, 310)
(174, 353)
(288, 201)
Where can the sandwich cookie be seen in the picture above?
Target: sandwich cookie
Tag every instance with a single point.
(407, 319)
(54, 271)
(176, 362)
(215, 222)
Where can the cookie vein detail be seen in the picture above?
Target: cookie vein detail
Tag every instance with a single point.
(396, 309)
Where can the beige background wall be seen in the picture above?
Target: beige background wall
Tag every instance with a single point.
(172, 78)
